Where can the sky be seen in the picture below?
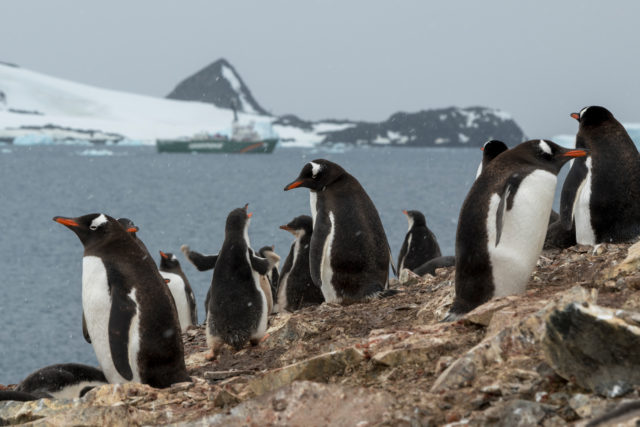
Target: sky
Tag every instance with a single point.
(358, 60)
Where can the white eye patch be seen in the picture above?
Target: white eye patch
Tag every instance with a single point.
(97, 222)
(315, 169)
(545, 147)
(583, 111)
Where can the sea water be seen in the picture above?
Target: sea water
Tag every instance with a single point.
(177, 199)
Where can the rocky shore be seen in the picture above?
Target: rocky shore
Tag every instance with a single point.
(566, 352)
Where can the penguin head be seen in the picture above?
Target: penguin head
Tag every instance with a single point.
(129, 226)
(238, 220)
(415, 218)
(546, 154)
(93, 228)
(317, 175)
(592, 116)
(263, 251)
(168, 261)
(491, 149)
(299, 225)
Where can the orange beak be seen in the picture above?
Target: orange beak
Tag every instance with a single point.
(163, 255)
(250, 214)
(481, 148)
(66, 221)
(133, 229)
(294, 184)
(576, 116)
(575, 153)
(404, 211)
(286, 228)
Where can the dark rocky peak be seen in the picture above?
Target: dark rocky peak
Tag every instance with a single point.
(218, 84)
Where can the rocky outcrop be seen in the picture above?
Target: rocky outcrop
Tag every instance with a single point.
(561, 353)
(219, 84)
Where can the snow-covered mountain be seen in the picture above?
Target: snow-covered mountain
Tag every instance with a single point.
(218, 84)
(36, 108)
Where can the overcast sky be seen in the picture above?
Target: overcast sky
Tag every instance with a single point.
(538, 60)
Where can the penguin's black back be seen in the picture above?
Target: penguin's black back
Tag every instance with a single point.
(615, 175)
(55, 377)
(420, 244)
(360, 254)
(235, 304)
(301, 291)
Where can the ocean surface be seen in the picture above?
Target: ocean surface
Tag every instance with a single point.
(177, 199)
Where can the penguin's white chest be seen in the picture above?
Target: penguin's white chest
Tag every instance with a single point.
(96, 305)
(313, 204)
(262, 325)
(284, 279)
(524, 227)
(326, 272)
(581, 210)
(179, 293)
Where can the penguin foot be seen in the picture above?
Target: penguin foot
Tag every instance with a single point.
(452, 317)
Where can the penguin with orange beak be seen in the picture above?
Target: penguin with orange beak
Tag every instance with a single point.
(420, 244)
(130, 316)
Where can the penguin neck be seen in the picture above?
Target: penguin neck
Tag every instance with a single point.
(411, 222)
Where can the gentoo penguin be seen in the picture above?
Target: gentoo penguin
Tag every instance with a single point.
(237, 310)
(349, 255)
(180, 290)
(430, 266)
(17, 396)
(273, 276)
(503, 222)
(129, 312)
(602, 192)
(420, 244)
(63, 381)
(490, 151)
(296, 288)
(132, 229)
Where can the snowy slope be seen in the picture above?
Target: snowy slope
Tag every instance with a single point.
(78, 106)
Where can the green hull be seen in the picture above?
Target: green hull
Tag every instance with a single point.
(215, 146)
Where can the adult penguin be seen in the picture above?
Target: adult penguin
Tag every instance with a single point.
(180, 290)
(601, 195)
(129, 312)
(503, 223)
(420, 244)
(490, 151)
(238, 309)
(349, 256)
(296, 288)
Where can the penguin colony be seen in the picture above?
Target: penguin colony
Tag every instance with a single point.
(133, 312)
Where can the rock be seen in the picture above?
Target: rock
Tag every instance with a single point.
(222, 375)
(309, 404)
(416, 349)
(629, 265)
(626, 414)
(408, 277)
(593, 347)
(319, 368)
(518, 413)
(483, 314)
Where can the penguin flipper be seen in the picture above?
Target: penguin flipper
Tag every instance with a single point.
(123, 308)
(506, 201)
(85, 331)
(393, 266)
(200, 261)
(261, 265)
(193, 306)
(576, 176)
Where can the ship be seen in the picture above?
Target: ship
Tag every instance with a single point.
(244, 139)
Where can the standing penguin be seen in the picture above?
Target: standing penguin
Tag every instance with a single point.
(601, 195)
(503, 222)
(349, 255)
(129, 312)
(180, 290)
(420, 244)
(490, 151)
(296, 288)
(237, 310)
(273, 276)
